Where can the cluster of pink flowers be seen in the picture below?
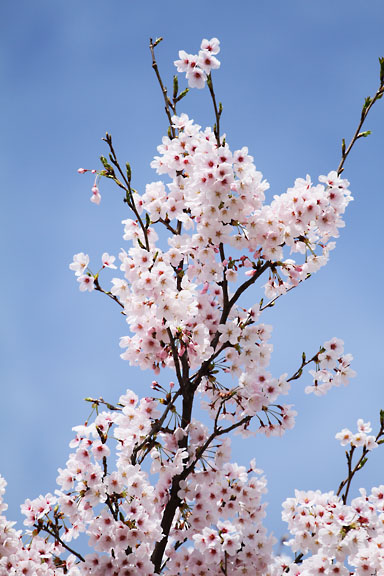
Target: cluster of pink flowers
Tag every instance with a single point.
(198, 66)
(84, 275)
(190, 510)
(37, 558)
(332, 368)
(9, 537)
(121, 511)
(333, 535)
(217, 198)
(361, 438)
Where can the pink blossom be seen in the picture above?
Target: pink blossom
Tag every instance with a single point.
(96, 196)
(87, 283)
(108, 261)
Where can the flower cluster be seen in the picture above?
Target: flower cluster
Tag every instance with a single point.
(152, 487)
(197, 67)
(38, 557)
(332, 368)
(9, 537)
(362, 438)
(220, 515)
(174, 299)
(225, 523)
(83, 273)
(332, 533)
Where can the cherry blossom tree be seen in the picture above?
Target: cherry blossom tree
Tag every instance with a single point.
(151, 486)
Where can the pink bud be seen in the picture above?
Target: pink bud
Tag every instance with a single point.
(163, 354)
(82, 170)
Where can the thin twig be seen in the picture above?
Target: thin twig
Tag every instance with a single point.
(218, 111)
(98, 288)
(352, 471)
(56, 535)
(168, 103)
(130, 197)
(156, 426)
(304, 363)
(364, 113)
(224, 283)
(273, 300)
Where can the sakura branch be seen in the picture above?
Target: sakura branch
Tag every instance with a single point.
(218, 110)
(98, 288)
(362, 439)
(53, 529)
(151, 486)
(127, 179)
(369, 102)
(337, 534)
(169, 106)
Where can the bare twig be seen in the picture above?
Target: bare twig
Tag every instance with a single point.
(129, 192)
(369, 102)
(109, 294)
(218, 110)
(168, 104)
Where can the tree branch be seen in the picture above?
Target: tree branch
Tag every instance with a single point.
(168, 103)
(369, 102)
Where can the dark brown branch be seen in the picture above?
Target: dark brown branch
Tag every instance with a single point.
(114, 512)
(129, 192)
(352, 470)
(304, 363)
(258, 272)
(174, 500)
(168, 103)
(175, 356)
(56, 536)
(204, 370)
(224, 283)
(216, 128)
(168, 226)
(108, 140)
(109, 294)
(156, 426)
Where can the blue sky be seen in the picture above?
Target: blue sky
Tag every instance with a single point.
(292, 82)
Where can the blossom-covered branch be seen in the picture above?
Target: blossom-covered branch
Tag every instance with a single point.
(151, 485)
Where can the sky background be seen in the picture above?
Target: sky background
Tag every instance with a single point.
(292, 81)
